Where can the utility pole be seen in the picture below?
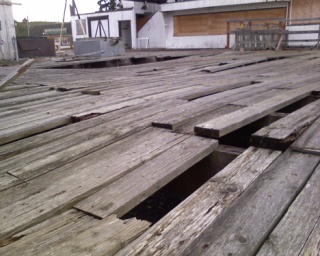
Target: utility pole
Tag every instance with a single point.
(28, 26)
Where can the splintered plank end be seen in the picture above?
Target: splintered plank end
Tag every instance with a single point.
(205, 130)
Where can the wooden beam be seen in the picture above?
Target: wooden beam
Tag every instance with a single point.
(248, 222)
(13, 75)
(223, 125)
(74, 232)
(280, 134)
(114, 199)
(103, 167)
(179, 228)
(298, 233)
(309, 142)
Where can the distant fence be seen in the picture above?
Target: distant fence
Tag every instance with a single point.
(262, 34)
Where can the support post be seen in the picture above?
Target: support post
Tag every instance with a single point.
(62, 24)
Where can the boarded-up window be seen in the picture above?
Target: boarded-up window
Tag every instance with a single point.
(216, 23)
(79, 29)
(303, 9)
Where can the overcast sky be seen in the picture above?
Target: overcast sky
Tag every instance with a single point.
(49, 10)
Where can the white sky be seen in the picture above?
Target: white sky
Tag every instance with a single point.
(49, 10)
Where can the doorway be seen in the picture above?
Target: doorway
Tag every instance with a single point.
(125, 33)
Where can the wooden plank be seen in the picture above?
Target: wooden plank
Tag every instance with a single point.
(22, 92)
(81, 178)
(309, 142)
(64, 151)
(234, 64)
(312, 245)
(305, 9)
(74, 106)
(86, 237)
(225, 124)
(52, 231)
(216, 23)
(107, 237)
(295, 233)
(45, 124)
(215, 89)
(193, 109)
(259, 97)
(176, 231)
(127, 192)
(140, 113)
(187, 127)
(7, 181)
(28, 98)
(55, 120)
(245, 226)
(14, 74)
(69, 148)
(280, 134)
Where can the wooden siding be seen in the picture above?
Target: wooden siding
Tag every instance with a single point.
(216, 23)
(302, 9)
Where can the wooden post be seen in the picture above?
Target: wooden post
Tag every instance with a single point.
(83, 31)
(228, 35)
(62, 24)
(318, 45)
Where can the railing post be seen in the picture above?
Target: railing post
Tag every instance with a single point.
(228, 35)
(318, 46)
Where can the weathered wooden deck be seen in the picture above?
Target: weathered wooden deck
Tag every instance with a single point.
(85, 141)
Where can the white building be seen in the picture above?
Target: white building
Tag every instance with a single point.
(175, 24)
(7, 31)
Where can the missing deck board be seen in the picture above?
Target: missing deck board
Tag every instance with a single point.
(299, 104)
(112, 63)
(164, 200)
(241, 137)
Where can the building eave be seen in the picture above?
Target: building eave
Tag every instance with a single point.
(191, 5)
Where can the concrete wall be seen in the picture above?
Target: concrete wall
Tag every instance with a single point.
(114, 18)
(7, 32)
(154, 31)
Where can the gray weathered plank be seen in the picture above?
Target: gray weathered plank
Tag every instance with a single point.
(14, 74)
(127, 192)
(193, 109)
(74, 233)
(176, 231)
(45, 124)
(225, 124)
(215, 89)
(54, 230)
(139, 113)
(309, 142)
(187, 127)
(7, 181)
(294, 231)
(103, 167)
(245, 226)
(283, 132)
(69, 148)
(233, 64)
(106, 237)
